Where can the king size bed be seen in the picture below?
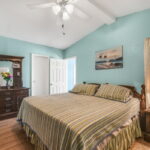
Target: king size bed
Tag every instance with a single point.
(74, 121)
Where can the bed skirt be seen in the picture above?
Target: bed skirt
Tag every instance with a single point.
(121, 139)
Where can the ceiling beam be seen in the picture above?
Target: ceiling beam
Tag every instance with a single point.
(107, 17)
(81, 13)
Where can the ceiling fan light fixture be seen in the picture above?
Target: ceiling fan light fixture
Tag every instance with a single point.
(69, 8)
(65, 16)
(56, 9)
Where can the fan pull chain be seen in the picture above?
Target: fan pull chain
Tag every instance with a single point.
(63, 32)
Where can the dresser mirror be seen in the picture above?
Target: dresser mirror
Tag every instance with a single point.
(6, 66)
(13, 65)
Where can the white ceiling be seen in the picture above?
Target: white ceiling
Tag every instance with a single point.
(40, 25)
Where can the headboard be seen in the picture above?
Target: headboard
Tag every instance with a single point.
(140, 96)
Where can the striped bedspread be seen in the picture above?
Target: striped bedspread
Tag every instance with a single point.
(74, 122)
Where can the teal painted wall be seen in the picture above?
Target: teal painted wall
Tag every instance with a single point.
(14, 47)
(129, 31)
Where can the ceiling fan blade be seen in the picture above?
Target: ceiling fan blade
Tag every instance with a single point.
(72, 1)
(65, 16)
(41, 5)
(69, 8)
(59, 1)
(80, 13)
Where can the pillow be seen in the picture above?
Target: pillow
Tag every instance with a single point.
(85, 89)
(114, 92)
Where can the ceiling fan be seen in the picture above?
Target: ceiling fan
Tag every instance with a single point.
(63, 9)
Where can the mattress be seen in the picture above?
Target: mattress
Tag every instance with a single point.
(75, 122)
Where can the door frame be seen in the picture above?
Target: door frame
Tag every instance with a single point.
(38, 55)
(73, 57)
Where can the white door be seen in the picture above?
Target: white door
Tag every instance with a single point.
(40, 75)
(57, 76)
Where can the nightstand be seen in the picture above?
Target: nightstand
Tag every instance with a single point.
(147, 130)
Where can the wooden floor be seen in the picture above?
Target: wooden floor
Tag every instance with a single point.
(12, 137)
(141, 145)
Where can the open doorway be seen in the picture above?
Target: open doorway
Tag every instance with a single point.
(59, 75)
(71, 72)
(48, 75)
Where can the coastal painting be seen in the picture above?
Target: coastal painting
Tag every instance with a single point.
(109, 59)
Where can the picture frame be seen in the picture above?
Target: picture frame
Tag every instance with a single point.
(109, 58)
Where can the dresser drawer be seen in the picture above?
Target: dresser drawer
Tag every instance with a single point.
(6, 109)
(2, 110)
(10, 101)
(1, 101)
(22, 92)
(7, 99)
(6, 93)
(6, 104)
(9, 109)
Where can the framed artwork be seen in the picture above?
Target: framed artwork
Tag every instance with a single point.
(109, 59)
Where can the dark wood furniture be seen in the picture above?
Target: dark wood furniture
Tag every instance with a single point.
(10, 99)
(144, 116)
(147, 129)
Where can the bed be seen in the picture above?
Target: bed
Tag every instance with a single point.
(79, 122)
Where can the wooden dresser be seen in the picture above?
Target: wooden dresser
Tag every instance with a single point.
(11, 98)
(10, 101)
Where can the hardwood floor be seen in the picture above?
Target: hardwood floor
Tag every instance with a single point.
(12, 137)
(141, 145)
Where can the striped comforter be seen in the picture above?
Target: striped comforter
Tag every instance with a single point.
(74, 122)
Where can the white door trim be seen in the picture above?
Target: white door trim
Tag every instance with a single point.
(71, 58)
